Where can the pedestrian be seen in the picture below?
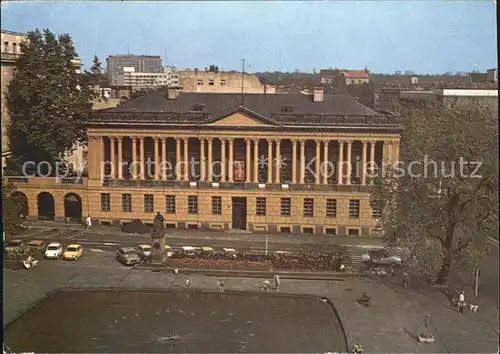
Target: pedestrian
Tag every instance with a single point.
(461, 302)
(188, 283)
(176, 271)
(405, 279)
(88, 222)
(265, 287)
(392, 270)
(277, 282)
(221, 286)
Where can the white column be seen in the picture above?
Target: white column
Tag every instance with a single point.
(278, 161)
(112, 153)
(141, 152)
(317, 162)
(210, 164)
(363, 163)
(248, 161)
(178, 164)
(269, 161)
(302, 161)
(157, 158)
(231, 142)
(325, 162)
(223, 160)
(202, 159)
(256, 161)
(134, 157)
(340, 168)
(294, 161)
(186, 159)
(163, 158)
(349, 162)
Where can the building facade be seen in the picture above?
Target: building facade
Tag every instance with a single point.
(222, 82)
(141, 63)
(264, 163)
(11, 50)
(338, 77)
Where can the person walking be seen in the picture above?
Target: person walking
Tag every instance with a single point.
(277, 282)
(461, 302)
(221, 286)
(188, 283)
(88, 222)
(405, 279)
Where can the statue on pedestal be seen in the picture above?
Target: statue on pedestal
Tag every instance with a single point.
(158, 239)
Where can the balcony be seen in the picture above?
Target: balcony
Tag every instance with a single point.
(68, 182)
(9, 57)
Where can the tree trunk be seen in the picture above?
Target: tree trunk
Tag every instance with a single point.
(442, 275)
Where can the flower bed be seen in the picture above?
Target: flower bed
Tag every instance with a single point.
(14, 259)
(200, 263)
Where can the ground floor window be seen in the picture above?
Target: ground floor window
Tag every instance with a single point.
(286, 204)
(192, 204)
(170, 204)
(331, 208)
(127, 202)
(353, 232)
(376, 209)
(149, 203)
(308, 207)
(354, 208)
(216, 205)
(105, 202)
(261, 207)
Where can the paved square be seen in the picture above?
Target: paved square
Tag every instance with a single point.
(161, 321)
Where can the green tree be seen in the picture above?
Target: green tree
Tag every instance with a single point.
(10, 208)
(445, 212)
(95, 76)
(47, 101)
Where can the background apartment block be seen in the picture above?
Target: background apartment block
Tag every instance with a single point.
(140, 63)
(130, 77)
(222, 82)
(11, 49)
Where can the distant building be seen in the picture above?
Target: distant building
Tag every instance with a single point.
(348, 77)
(129, 77)
(478, 77)
(492, 75)
(140, 63)
(222, 82)
(450, 97)
(11, 50)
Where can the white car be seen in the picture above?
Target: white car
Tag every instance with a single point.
(144, 250)
(54, 250)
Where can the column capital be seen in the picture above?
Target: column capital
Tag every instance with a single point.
(390, 142)
(277, 141)
(364, 142)
(255, 140)
(155, 138)
(209, 139)
(342, 142)
(223, 141)
(141, 138)
(202, 139)
(119, 138)
(185, 139)
(294, 141)
(134, 138)
(373, 142)
(318, 141)
(163, 138)
(325, 141)
(302, 141)
(248, 140)
(349, 142)
(231, 140)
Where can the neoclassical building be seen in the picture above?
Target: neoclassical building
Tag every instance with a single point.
(258, 162)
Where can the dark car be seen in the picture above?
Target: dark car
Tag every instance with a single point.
(128, 256)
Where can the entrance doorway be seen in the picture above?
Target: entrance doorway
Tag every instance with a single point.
(73, 207)
(239, 220)
(46, 207)
(21, 202)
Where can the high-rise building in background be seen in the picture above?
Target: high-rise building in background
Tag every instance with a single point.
(140, 63)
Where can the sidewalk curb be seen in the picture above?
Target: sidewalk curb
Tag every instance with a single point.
(251, 273)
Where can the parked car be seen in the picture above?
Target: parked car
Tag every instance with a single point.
(144, 251)
(54, 250)
(73, 252)
(230, 252)
(190, 251)
(128, 256)
(207, 252)
(38, 244)
(13, 245)
(381, 257)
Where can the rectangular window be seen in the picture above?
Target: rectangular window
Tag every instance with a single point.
(192, 204)
(105, 202)
(14, 48)
(216, 205)
(353, 232)
(170, 204)
(376, 209)
(331, 208)
(200, 82)
(286, 204)
(149, 204)
(261, 207)
(127, 202)
(5, 47)
(308, 207)
(211, 82)
(223, 82)
(354, 208)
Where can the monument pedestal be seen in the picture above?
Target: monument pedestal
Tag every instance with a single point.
(158, 249)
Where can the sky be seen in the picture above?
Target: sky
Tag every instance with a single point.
(424, 36)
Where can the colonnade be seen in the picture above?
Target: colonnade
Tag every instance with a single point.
(390, 154)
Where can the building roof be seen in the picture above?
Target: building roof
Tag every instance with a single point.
(267, 105)
(328, 73)
(14, 33)
(356, 74)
